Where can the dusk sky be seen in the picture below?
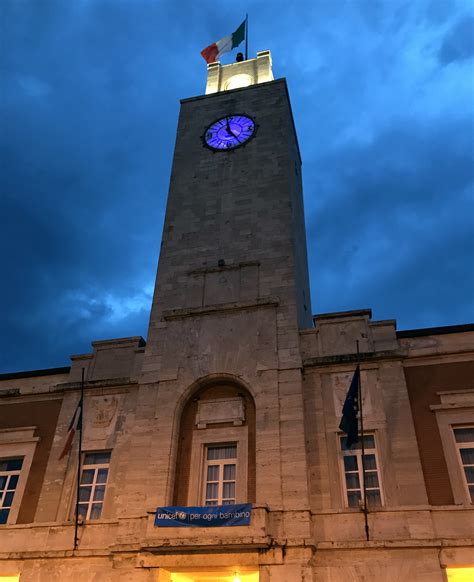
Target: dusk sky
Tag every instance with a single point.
(383, 98)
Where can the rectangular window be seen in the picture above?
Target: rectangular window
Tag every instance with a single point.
(352, 471)
(220, 474)
(464, 436)
(95, 470)
(10, 470)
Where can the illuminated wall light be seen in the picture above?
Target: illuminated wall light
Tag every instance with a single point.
(11, 578)
(238, 81)
(460, 574)
(236, 577)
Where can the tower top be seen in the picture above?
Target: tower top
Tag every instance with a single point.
(240, 74)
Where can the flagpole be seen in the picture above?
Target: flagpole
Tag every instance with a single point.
(246, 37)
(81, 404)
(365, 510)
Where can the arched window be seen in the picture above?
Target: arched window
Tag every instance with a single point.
(216, 448)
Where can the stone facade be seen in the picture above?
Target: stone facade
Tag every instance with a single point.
(234, 358)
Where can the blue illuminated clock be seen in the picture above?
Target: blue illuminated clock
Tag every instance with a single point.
(229, 132)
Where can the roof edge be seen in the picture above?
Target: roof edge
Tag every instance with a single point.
(33, 373)
(341, 314)
(461, 328)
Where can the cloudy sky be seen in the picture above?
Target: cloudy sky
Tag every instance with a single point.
(383, 98)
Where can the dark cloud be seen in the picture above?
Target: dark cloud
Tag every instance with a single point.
(458, 44)
(395, 222)
(89, 105)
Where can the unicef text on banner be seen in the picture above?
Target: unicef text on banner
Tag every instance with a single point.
(212, 516)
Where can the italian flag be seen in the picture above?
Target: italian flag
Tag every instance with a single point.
(214, 51)
(72, 429)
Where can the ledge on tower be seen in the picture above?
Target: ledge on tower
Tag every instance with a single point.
(241, 74)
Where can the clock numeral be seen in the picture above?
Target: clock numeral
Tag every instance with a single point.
(208, 135)
(228, 144)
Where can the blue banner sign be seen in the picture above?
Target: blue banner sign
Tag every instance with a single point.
(209, 516)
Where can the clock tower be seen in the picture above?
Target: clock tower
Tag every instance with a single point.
(232, 289)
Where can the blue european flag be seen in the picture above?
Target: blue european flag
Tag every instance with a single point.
(349, 423)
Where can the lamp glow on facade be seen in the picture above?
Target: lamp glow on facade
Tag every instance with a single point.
(460, 574)
(215, 575)
(238, 81)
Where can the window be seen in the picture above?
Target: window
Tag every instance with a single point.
(94, 475)
(464, 436)
(220, 474)
(10, 470)
(352, 470)
(455, 417)
(218, 469)
(17, 449)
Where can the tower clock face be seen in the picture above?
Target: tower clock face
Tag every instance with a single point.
(229, 132)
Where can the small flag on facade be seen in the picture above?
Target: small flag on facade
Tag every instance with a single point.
(75, 420)
(349, 423)
(214, 51)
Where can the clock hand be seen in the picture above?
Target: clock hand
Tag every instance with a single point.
(229, 130)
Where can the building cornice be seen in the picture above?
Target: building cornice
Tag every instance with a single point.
(363, 357)
(462, 328)
(35, 373)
